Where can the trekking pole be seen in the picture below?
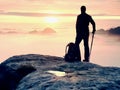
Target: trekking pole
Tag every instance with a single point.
(91, 45)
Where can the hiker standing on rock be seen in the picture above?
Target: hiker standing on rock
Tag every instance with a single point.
(82, 32)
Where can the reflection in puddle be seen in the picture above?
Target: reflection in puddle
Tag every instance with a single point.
(57, 73)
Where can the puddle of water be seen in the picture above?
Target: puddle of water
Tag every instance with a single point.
(57, 73)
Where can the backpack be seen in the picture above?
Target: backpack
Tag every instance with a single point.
(71, 52)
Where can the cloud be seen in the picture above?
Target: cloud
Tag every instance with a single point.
(101, 31)
(101, 14)
(8, 29)
(111, 7)
(48, 13)
(9, 32)
(1, 32)
(32, 14)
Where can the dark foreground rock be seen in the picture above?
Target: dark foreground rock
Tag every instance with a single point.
(40, 72)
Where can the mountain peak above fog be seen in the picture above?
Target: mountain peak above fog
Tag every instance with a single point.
(115, 30)
(112, 31)
(44, 70)
(46, 31)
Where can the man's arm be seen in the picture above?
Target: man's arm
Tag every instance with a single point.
(93, 25)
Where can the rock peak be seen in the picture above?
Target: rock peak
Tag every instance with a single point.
(77, 75)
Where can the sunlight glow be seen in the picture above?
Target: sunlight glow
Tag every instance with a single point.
(51, 19)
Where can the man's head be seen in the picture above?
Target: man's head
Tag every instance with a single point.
(83, 9)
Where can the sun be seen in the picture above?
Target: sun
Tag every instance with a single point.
(51, 19)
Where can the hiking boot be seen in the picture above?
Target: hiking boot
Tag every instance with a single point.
(85, 60)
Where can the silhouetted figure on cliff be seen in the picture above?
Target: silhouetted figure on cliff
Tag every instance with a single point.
(82, 32)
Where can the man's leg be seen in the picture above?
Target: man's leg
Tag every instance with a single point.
(86, 48)
(77, 42)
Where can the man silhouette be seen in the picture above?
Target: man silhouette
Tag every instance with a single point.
(82, 32)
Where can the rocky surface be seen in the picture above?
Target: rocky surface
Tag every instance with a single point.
(42, 72)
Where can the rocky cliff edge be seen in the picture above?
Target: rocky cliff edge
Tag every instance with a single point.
(43, 72)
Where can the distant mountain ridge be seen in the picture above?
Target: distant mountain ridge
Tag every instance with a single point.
(51, 31)
(46, 31)
(112, 31)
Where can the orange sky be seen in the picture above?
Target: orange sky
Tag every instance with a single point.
(50, 13)
(13, 9)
